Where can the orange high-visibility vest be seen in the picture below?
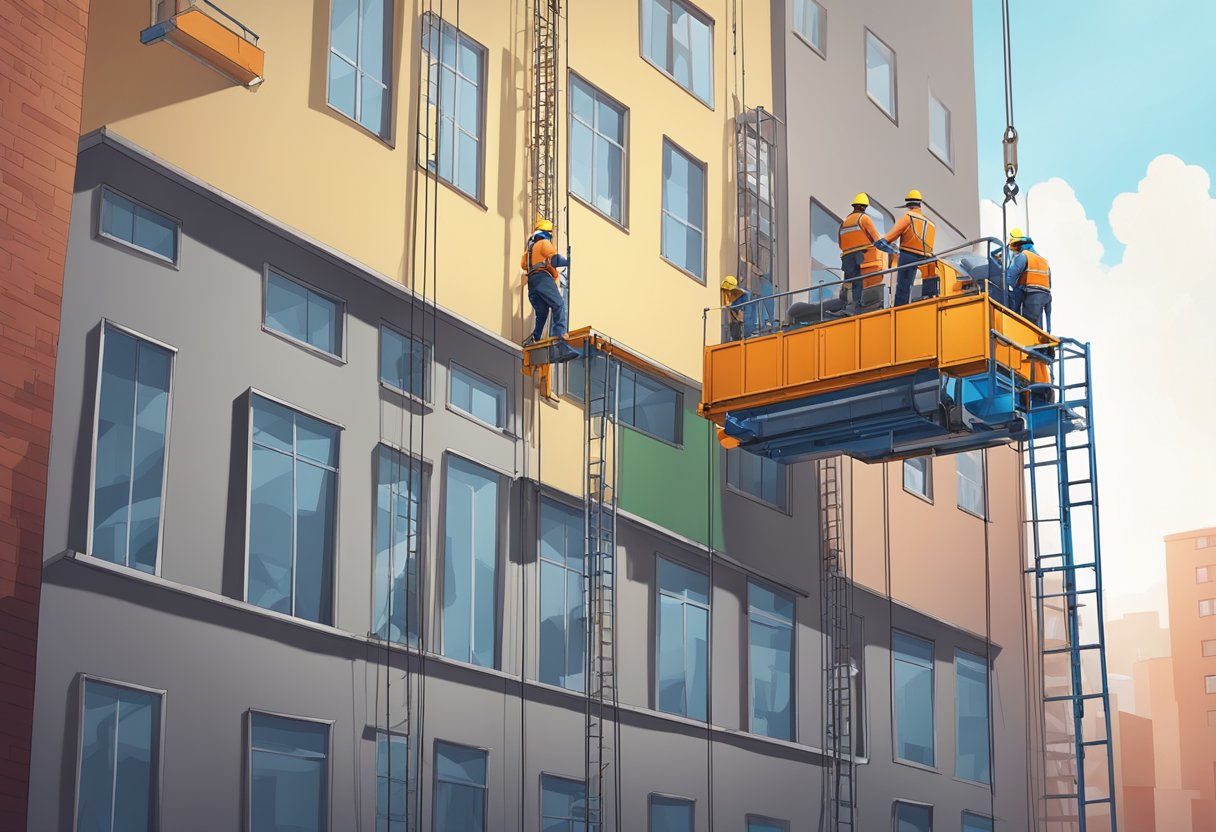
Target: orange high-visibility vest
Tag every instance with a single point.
(918, 235)
(1037, 273)
(872, 261)
(539, 258)
(857, 233)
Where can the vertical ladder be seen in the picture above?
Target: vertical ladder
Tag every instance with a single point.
(836, 610)
(755, 157)
(600, 460)
(543, 139)
(1065, 566)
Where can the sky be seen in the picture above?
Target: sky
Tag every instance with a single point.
(1116, 112)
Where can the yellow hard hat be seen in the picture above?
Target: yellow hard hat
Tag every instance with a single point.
(1016, 236)
(862, 199)
(543, 224)
(730, 282)
(914, 196)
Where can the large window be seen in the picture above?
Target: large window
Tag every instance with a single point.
(460, 788)
(940, 139)
(563, 623)
(913, 694)
(1209, 647)
(450, 138)
(392, 786)
(1205, 574)
(597, 149)
(288, 774)
(1209, 684)
(679, 40)
(400, 482)
(646, 404)
(670, 814)
(880, 74)
(303, 314)
(759, 476)
(976, 823)
(360, 53)
(405, 363)
(129, 455)
(918, 476)
(118, 781)
(683, 233)
(971, 751)
(1207, 607)
(913, 817)
(470, 564)
(484, 400)
(971, 498)
(770, 656)
(292, 512)
(150, 232)
(683, 635)
(810, 22)
(563, 804)
(825, 250)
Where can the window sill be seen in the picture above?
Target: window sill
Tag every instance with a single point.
(384, 140)
(140, 251)
(949, 165)
(976, 783)
(472, 200)
(757, 500)
(922, 497)
(618, 224)
(396, 391)
(337, 360)
(976, 514)
(882, 109)
(708, 105)
(490, 426)
(681, 269)
(807, 41)
(916, 765)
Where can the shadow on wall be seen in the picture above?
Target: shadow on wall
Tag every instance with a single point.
(82, 463)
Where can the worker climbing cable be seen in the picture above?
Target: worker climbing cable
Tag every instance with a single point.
(540, 263)
(915, 233)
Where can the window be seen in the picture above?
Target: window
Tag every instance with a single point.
(810, 22)
(399, 483)
(765, 825)
(682, 655)
(1207, 607)
(670, 814)
(1209, 647)
(479, 397)
(1209, 684)
(292, 512)
(288, 774)
(563, 804)
(825, 249)
(1212, 719)
(971, 750)
(129, 453)
(470, 564)
(360, 51)
(940, 140)
(918, 476)
(678, 40)
(392, 787)
(880, 74)
(303, 314)
(563, 623)
(913, 817)
(759, 476)
(976, 823)
(913, 681)
(683, 232)
(460, 788)
(1203, 542)
(770, 659)
(118, 781)
(597, 149)
(126, 221)
(971, 496)
(450, 135)
(405, 363)
(646, 404)
(1203, 574)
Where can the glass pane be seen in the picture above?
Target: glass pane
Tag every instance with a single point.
(911, 818)
(669, 814)
(470, 563)
(561, 534)
(485, 579)
(609, 121)
(576, 630)
(562, 800)
(581, 172)
(701, 41)
(344, 27)
(341, 85)
(764, 826)
(470, 60)
(675, 242)
(373, 105)
(695, 252)
(115, 446)
(763, 599)
(770, 656)
(654, 408)
(392, 357)
(456, 764)
(155, 233)
(467, 109)
(976, 823)
(939, 128)
(913, 692)
(288, 787)
(459, 808)
(670, 670)
(608, 178)
(323, 323)
(971, 707)
(697, 657)
(117, 216)
(582, 102)
(880, 73)
(273, 424)
(151, 419)
(467, 159)
(675, 579)
(315, 523)
(119, 742)
(552, 623)
(372, 52)
(270, 530)
(656, 25)
(316, 440)
(286, 306)
(681, 46)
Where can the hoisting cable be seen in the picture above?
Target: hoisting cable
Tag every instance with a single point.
(710, 481)
(988, 674)
(1009, 141)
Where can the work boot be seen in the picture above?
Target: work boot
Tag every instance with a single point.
(562, 352)
(529, 341)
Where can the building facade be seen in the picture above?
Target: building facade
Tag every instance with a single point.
(314, 551)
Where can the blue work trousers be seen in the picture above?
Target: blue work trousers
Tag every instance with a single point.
(546, 300)
(1034, 304)
(850, 264)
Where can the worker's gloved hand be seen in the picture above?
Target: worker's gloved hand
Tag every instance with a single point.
(883, 245)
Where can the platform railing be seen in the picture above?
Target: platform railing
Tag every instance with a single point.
(166, 9)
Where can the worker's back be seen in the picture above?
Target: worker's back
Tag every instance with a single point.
(538, 256)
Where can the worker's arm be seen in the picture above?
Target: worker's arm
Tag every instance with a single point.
(901, 225)
(1016, 268)
(560, 260)
(867, 225)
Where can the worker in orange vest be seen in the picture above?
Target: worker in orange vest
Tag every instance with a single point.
(857, 234)
(915, 233)
(540, 264)
(1029, 279)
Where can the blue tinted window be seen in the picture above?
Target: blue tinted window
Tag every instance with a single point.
(971, 709)
(563, 804)
(303, 314)
(757, 825)
(119, 749)
(129, 460)
(683, 636)
(563, 626)
(400, 481)
(918, 476)
(480, 398)
(292, 512)
(597, 149)
(470, 564)
(759, 476)
(450, 140)
(679, 41)
(646, 404)
(970, 466)
(683, 232)
(405, 363)
(771, 661)
(135, 225)
(392, 792)
(912, 817)
(913, 694)
(288, 774)
(460, 789)
(976, 823)
(670, 814)
(360, 47)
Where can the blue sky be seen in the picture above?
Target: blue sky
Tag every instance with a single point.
(1101, 87)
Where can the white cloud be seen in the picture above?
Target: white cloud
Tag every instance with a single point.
(1150, 319)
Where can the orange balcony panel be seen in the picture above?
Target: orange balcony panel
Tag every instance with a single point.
(205, 39)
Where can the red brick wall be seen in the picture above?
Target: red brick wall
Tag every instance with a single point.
(41, 74)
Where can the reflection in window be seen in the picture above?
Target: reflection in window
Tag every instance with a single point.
(392, 789)
(405, 363)
(918, 476)
(970, 466)
(825, 251)
(683, 232)
(129, 222)
(646, 403)
(597, 149)
(683, 635)
(449, 139)
(119, 751)
(400, 481)
(810, 21)
(913, 694)
(288, 774)
(470, 564)
(303, 314)
(913, 817)
(479, 397)
(360, 49)
(563, 804)
(971, 710)
(679, 41)
(460, 789)
(563, 623)
(976, 823)
(939, 130)
(761, 477)
(880, 73)
(771, 660)
(670, 814)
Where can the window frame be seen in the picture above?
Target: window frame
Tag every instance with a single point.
(981, 660)
(793, 625)
(428, 370)
(948, 159)
(561, 503)
(540, 782)
(485, 787)
(750, 818)
(164, 480)
(983, 485)
(705, 18)
(430, 19)
(340, 318)
(928, 478)
(836, 271)
(895, 804)
(247, 779)
(821, 49)
(868, 33)
(154, 256)
(411, 771)
(425, 473)
(783, 507)
(967, 813)
(1208, 571)
(390, 117)
(505, 428)
(659, 593)
(82, 680)
(1209, 685)
(623, 222)
(250, 393)
(1203, 647)
(674, 797)
(1211, 607)
(932, 702)
(663, 212)
(568, 391)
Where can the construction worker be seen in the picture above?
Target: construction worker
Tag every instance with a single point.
(857, 235)
(738, 310)
(1029, 279)
(540, 264)
(915, 233)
